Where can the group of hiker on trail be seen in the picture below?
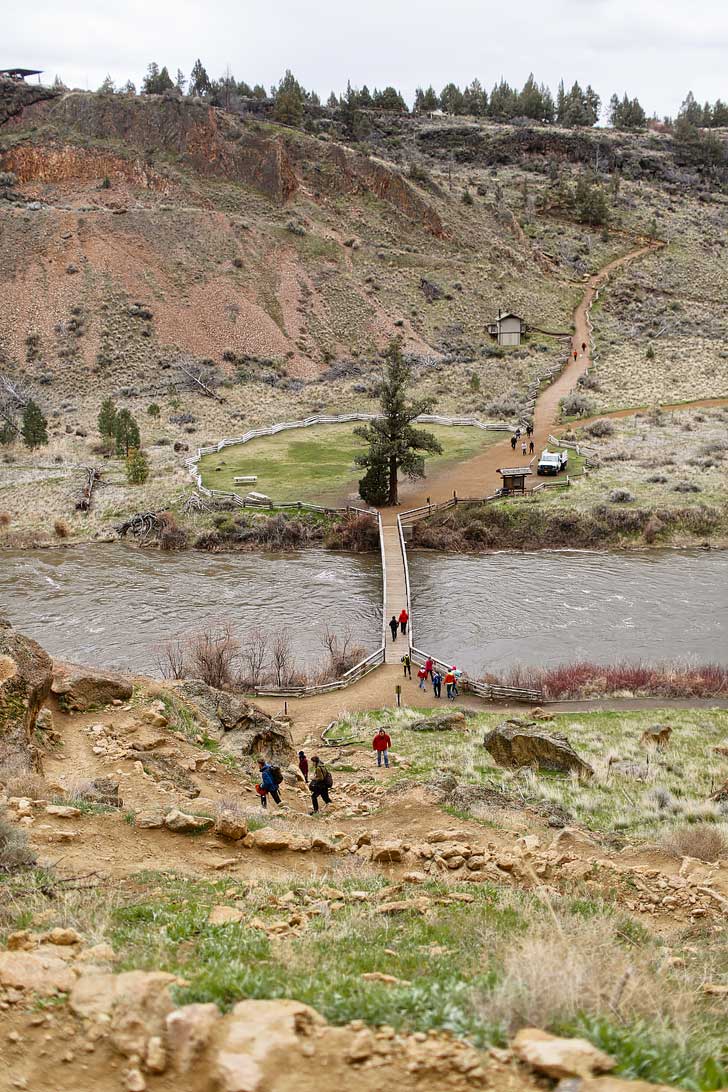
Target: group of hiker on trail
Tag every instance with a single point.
(517, 436)
(428, 670)
(399, 624)
(271, 779)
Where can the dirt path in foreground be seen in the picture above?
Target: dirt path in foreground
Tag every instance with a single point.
(479, 476)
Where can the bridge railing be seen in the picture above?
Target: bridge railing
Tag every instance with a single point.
(491, 692)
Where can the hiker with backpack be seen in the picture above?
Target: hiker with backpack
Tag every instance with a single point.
(381, 745)
(406, 662)
(271, 777)
(319, 784)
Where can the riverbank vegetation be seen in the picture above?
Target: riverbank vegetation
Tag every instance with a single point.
(589, 680)
(241, 662)
(653, 478)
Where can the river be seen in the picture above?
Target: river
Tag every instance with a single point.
(112, 605)
(490, 611)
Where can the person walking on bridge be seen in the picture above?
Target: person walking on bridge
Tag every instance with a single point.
(403, 619)
(393, 625)
(437, 684)
(406, 662)
(381, 744)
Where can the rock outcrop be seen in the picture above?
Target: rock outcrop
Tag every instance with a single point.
(559, 1058)
(518, 743)
(84, 688)
(25, 682)
(242, 728)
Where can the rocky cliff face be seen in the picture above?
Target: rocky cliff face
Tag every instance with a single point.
(16, 95)
(144, 129)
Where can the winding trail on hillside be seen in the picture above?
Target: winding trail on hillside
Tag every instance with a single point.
(478, 476)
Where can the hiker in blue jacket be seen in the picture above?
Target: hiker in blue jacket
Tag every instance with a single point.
(268, 785)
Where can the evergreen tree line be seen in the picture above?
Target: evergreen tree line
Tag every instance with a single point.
(571, 107)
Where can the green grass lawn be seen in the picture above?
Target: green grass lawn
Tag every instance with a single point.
(317, 464)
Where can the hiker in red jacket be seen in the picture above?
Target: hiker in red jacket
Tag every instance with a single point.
(381, 745)
(429, 667)
(403, 619)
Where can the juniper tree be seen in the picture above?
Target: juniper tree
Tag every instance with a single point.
(199, 80)
(34, 429)
(106, 420)
(126, 432)
(137, 467)
(394, 444)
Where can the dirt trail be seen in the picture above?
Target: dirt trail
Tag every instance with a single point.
(666, 407)
(478, 476)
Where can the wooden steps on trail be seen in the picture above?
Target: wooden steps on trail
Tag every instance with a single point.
(396, 594)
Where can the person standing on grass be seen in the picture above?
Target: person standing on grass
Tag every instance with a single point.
(450, 684)
(303, 765)
(268, 784)
(406, 662)
(381, 744)
(320, 784)
(393, 626)
(436, 684)
(422, 676)
(403, 619)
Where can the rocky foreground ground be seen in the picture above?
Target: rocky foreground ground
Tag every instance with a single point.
(158, 931)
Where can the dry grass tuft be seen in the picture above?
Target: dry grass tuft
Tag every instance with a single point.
(703, 840)
(5, 519)
(15, 853)
(24, 783)
(569, 966)
(61, 528)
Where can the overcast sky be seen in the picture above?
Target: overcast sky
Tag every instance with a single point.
(655, 49)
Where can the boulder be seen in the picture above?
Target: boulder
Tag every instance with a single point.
(225, 915)
(231, 826)
(188, 1032)
(441, 722)
(25, 682)
(243, 728)
(149, 820)
(573, 838)
(84, 688)
(63, 811)
(262, 1040)
(557, 1057)
(387, 852)
(517, 744)
(135, 1004)
(181, 822)
(271, 840)
(44, 975)
(103, 790)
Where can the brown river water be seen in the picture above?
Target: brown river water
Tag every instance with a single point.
(113, 605)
